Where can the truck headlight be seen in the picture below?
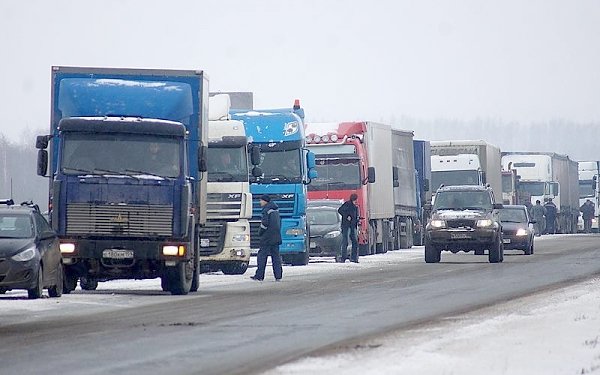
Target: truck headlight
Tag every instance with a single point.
(67, 248)
(294, 232)
(173, 250)
(521, 232)
(25, 255)
(437, 224)
(485, 223)
(332, 234)
(242, 237)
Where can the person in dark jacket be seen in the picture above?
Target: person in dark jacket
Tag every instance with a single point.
(349, 213)
(270, 239)
(588, 211)
(550, 216)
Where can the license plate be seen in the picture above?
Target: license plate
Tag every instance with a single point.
(506, 240)
(204, 242)
(460, 236)
(117, 254)
(313, 245)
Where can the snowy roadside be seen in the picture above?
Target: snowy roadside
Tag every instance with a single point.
(555, 332)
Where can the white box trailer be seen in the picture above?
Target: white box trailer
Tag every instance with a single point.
(466, 162)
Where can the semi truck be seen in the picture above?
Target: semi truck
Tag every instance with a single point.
(225, 239)
(287, 167)
(470, 162)
(126, 155)
(349, 155)
(510, 182)
(588, 189)
(422, 151)
(544, 176)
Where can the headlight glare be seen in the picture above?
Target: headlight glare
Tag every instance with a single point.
(437, 223)
(25, 255)
(294, 232)
(332, 234)
(521, 232)
(485, 223)
(67, 248)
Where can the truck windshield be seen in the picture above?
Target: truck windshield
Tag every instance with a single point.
(279, 166)
(532, 188)
(463, 200)
(449, 178)
(507, 183)
(120, 154)
(336, 174)
(586, 189)
(227, 164)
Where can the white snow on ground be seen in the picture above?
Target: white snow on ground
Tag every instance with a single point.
(556, 332)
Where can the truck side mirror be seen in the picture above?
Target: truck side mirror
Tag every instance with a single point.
(311, 162)
(395, 174)
(426, 184)
(594, 182)
(42, 163)
(202, 166)
(255, 156)
(371, 175)
(257, 172)
(396, 183)
(483, 178)
(41, 142)
(312, 173)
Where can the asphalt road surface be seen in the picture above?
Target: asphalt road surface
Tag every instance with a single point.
(253, 326)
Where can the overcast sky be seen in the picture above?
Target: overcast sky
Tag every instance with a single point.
(346, 60)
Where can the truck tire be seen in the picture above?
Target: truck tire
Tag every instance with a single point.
(432, 254)
(69, 282)
(88, 283)
(300, 259)
(238, 268)
(180, 277)
(496, 252)
(164, 283)
(56, 290)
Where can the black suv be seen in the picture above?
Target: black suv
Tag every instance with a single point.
(464, 218)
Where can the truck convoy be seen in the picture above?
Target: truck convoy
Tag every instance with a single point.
(127, 188)
(466, 163)
(547, 175)
(349, 154)
(588, 189)
(225, 239)
(422, 150)
(287, 167)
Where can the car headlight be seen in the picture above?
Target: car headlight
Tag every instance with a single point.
(521, 232)
(241, 237)
(25, 255)
(437, 224)
(485, 223)
(294, 232)
(332, 234)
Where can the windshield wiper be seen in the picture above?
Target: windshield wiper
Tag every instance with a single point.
(114, 173)
(142, 173)
(76, 170)
(476, 208)
(278, 177)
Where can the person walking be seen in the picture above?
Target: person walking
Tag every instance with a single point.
(551, 211)
(538, 212)
(349, 213)
(270, 239)
(588, 212)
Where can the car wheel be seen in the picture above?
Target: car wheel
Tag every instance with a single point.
(88, 283)
(57, 289)
(495, 251)
(432, 254)
(36, 291)
(529, 249)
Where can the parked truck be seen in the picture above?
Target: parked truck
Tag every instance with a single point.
(466, 163)
(349, 154)
(127, 161)
(422, 151)
(287, 167)
(225, 239)
(588, 189)
(544, 176)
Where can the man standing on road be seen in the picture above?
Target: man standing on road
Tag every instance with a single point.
(270, 239)
(588, 211)
(550, 216)
(538, 212)
(349, 213)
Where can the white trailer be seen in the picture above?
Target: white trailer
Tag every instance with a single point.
(470, 162)
(544, 176)
(588, 189)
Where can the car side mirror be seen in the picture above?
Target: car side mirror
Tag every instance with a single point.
(47, 235)
(42, 163)
(498, 206)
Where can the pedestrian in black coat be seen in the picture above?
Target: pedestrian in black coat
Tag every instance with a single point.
(349, 213)
(270, 239)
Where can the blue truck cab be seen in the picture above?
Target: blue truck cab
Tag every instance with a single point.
(126, 153)
(287, 168)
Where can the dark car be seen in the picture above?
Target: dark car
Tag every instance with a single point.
(29, 251)
(324, 222)
(517, 232)
(464, 218)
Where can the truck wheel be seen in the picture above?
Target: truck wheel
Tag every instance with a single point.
(36, 291)
(69, 282)
(432, 254)
(56, 290)
(235, 268)
(180, 277)
(88, 283)
(495, 252)
(300, 259)
(164, 283)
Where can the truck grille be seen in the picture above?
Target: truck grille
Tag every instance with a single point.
(223, 206)
(460, 223)
(214, 232)
(132, 220)
(285, 202)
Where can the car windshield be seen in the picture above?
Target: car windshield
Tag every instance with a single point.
(15, 226)
(321, 216)
(463, 200)
(227, 164)
(513, 215)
